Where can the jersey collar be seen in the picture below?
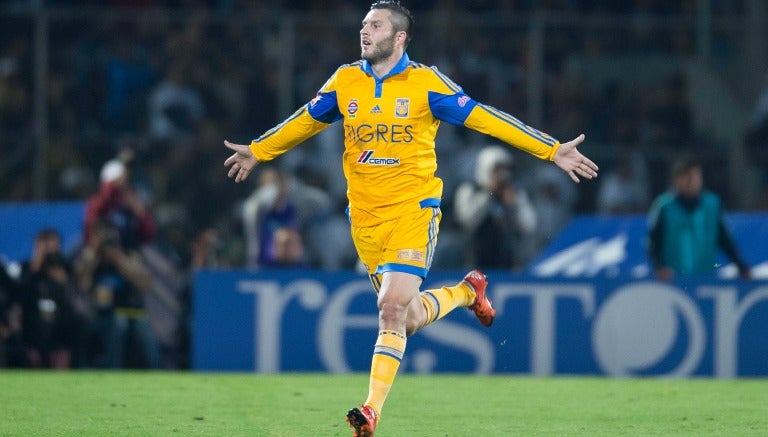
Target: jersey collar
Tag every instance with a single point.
(401, 65)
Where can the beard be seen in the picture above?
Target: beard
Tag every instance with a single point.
(381, 51)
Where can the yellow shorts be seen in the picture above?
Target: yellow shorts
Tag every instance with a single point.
(406, 244)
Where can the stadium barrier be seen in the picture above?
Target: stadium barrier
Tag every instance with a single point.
(585, 306)
(285, 321)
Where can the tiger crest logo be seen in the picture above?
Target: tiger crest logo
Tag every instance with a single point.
(402, 107)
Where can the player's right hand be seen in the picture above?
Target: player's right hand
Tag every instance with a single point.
(241, 162)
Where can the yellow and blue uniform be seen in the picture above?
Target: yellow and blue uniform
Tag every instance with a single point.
(389, 161)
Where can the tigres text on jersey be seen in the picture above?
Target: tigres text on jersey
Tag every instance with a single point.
(390, 124)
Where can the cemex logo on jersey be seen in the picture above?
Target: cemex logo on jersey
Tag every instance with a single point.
(367, 158)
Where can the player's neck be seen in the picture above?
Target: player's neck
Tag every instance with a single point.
(386, 65)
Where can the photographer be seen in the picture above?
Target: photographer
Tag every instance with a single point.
(117, 280)
(49, 321)
(495, 213)
(118, 203)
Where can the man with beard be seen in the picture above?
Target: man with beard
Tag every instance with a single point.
(391, 108)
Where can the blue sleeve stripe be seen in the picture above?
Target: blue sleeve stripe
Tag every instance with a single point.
(402, 268)
(275, 129)
(448, 82)
(544, 138)
(429, 201)
(324, 108)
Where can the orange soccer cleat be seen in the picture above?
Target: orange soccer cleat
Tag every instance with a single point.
(363, 420)
(482, 306)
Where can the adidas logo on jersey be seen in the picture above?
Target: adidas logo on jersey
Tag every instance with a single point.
(376, 110)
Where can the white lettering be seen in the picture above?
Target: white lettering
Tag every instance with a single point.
(463, 338)
(334, 320)
(637, 326)
(543, 317)
(269, 307)
(728, 317)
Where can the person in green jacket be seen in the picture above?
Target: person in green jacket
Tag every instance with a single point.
(687, 228)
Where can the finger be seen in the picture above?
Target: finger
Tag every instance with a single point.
(233, 146)
(584, 172)
(573, 176)
(575, 142)
(234, 170)
(231, 160)
(588, 162)
(242, 175)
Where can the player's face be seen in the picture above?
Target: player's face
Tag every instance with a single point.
(377, 37)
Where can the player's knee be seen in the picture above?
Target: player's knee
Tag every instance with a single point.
(392, 311)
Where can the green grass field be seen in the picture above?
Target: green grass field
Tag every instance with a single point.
(213, 404)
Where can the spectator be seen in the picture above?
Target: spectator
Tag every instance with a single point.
(288, 248)
(47, 242)
(264, 212)
(205, 250)
(496, 213)
(279, 202)
(671, 117)
(118, 203)
(175, 108)
(117, 280)
(625, 188)
(686, 227)
(49, 325)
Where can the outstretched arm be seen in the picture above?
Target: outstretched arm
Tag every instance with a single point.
(568, 158)
(303, 124)
(491, 121)
(241, 162)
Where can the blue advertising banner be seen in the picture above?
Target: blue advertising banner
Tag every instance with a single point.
(302, 320)
(20, 223)
(615, 246)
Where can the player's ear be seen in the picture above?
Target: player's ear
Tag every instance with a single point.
(401, 37)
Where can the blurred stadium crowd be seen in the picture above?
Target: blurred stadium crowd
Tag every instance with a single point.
(140, 95)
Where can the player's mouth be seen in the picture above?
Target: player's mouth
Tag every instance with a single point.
(365, 43)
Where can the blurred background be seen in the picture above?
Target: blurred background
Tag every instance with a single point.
(143, 92)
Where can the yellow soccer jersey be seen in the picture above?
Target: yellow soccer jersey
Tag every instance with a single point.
(390, 124)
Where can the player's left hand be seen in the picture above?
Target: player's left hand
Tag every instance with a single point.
(573, 162)
(241, 162)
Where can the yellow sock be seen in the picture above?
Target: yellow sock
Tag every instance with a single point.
(440, 302)
(387, 355)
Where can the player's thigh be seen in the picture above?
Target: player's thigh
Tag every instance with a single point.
(404, 245)
(369, 243)
(399, 289)
(411, 245)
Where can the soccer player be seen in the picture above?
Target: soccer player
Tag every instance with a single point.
(391, 108)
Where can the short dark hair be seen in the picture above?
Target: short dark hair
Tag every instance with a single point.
(684, 164)
(402, 19)
(46, 233)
